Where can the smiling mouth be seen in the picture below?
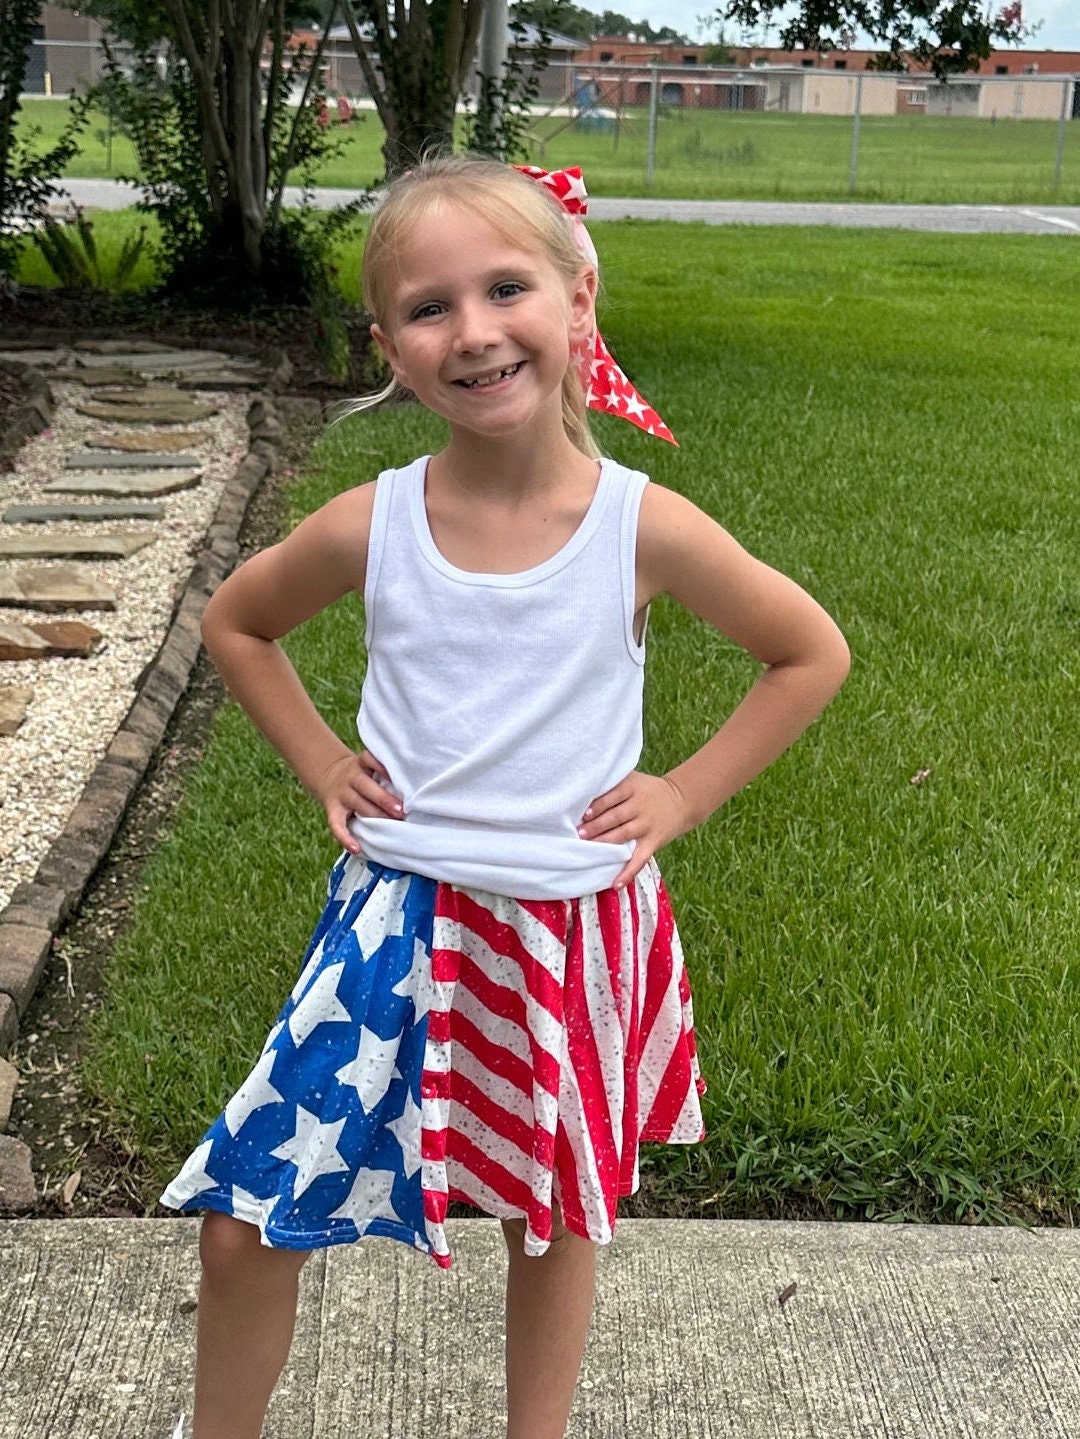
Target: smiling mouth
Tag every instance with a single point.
(481, 382)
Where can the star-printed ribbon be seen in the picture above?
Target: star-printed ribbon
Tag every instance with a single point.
(606, 386)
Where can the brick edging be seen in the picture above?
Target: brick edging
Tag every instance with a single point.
(39, 907)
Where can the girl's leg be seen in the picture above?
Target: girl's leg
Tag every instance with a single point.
(247, 1309)
(549, 1302)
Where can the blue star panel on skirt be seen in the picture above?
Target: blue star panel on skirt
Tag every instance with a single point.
(321, 1143)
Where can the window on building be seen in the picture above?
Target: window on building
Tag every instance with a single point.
(807, 64)
(839, 64)
(689, 59)
(1001, 69)
(916, 97)
(606, 56)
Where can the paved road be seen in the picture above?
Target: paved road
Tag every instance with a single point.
(963, 219)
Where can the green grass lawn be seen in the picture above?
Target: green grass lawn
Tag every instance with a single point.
(705, 154)
(886, 974)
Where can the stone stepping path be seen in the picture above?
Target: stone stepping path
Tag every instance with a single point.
(158, 482)
(145, 390)
(120, 460)
(108, 511)
(71, 545)
(54, 587)
(47, 639)
(181, 410)
(147, 441)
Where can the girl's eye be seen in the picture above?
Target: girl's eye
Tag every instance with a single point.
(508, 289)
(425, 312)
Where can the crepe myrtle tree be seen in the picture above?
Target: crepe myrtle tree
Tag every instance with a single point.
(238, 70)
(948, 36)
(415, 57)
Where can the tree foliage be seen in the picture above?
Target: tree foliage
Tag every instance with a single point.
(563, 17)
(948, 36)
(27, 176)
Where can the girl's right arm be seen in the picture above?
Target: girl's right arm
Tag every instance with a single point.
(276, 590)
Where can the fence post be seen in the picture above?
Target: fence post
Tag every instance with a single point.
(855, 135)
(1066, 96)
(654, 106)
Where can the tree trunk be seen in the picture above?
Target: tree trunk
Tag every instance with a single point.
(415, 67)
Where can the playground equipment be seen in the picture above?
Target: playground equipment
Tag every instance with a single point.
(592, 104)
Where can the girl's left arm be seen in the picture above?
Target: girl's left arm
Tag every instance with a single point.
(682, 552)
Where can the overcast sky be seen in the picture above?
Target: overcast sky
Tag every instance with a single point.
(1060, 29)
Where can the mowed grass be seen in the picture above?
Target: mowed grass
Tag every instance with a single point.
(732, 155)
(886, 972)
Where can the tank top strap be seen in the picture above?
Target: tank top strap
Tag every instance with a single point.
(629, 486)
(392, 491)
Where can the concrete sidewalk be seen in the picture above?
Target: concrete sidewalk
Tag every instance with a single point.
(957, 219)
(896, 1332)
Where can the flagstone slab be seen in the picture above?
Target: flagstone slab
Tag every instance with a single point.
(109, 510)
(92, 379)
(72, 545)
(133, 395)
(162, 362)
(54, 587)
(114, 460)
(14, 703)
(122, 347)
(40, 359)
(158, 482)
(181, 411)
(73, 639)
(19, 642)
(46, 639)
(147, 441)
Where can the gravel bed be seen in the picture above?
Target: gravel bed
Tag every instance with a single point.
(78, 704)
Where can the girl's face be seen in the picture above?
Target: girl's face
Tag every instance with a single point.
(480, 329)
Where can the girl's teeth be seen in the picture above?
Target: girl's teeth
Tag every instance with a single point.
(479, 384)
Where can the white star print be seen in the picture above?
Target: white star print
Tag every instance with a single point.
(320, 1005)
(406, 1130)
(251, 1204)
(194, 1175)
(382, 917)
(367, 1072)
(306, 973)
(255, 1091)
(576, 190)
(272, 1036)
(417, 985)
(313, 1149)
(369, 1198)
(634, 405)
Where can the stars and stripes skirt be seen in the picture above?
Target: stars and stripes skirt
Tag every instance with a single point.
(445, 1044)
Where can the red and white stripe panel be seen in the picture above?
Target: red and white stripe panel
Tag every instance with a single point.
(560, 1034)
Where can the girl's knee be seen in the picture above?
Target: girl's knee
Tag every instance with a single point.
(514, 1231)
(230, 1247)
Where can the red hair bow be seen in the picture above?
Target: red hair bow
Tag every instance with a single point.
(606, 386)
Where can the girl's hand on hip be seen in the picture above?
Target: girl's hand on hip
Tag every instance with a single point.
(356, 784)
(646, 808)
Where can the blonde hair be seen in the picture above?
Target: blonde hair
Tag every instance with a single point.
(518, 208)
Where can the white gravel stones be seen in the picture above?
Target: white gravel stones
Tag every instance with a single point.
(79, 703)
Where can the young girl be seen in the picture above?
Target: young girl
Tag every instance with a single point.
(494, 1008)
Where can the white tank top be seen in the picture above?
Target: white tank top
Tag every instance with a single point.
(501, 705)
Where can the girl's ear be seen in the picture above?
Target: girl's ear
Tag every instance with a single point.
(583, 303)
(390, 350)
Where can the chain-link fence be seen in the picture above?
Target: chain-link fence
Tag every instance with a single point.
(773, 132)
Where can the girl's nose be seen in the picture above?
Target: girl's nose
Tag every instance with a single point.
(476, 328)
